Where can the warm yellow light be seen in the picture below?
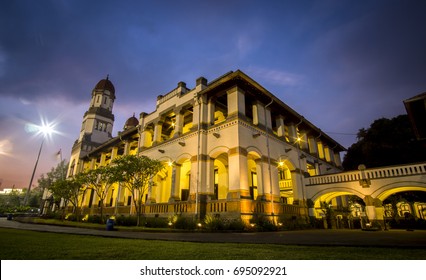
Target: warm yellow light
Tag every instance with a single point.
(281, 163)
(298, 139)
(170, 163)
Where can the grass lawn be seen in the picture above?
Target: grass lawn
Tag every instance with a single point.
(31, 245)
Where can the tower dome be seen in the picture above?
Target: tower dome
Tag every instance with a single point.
(131, 122)
(105, 84)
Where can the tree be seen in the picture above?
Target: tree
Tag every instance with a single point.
(136, 173)
(385, 142)
(56, 173)
(100, 180)
(70, 190)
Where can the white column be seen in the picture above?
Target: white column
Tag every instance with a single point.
(238, 172)
(236, 101)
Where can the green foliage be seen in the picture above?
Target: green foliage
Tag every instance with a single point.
(135, 174)
(385, 142)
(100, 180)
(125, 220)
(263, 223)
(296, 223)
(56, 173)
(13, 202)
(156, 222)
(95, 219)
(185, 223)
(213, 223)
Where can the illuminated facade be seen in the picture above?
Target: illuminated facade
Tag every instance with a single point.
(230, 149)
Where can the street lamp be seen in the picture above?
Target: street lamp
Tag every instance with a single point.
(46, 129)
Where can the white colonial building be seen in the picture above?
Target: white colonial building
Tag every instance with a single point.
(230, 148)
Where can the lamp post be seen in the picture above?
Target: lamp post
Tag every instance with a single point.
(32, 176)
(46, 129)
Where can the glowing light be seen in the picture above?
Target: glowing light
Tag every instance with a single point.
(170, 163)
(46, 129)
(281, 163)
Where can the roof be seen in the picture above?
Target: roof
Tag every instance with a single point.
(106, 84)
(131, 122)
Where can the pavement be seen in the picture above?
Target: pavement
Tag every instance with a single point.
(390, 238)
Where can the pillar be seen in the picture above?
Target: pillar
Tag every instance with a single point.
(210, 177)
(260, 184)
(320, 150)
(370, 209)
(313, 147)
(238, 172)
(236, 102)
(175, 180)
(304, 140)
(178, 124)
(258, 113)
(200, 114)
(158, 131)
(280, 126)
(292, 132)
(210, 110)
(337, 159)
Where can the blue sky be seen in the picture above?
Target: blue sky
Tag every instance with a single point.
(339, 63)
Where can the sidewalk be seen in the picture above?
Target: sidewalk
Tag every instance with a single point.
(391, 238)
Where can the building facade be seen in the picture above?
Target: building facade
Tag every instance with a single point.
(230, 148)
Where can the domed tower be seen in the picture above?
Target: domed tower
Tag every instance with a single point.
(97, 123)
(131, 122)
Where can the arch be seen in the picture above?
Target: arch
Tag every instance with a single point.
(220, 176)
(216, 151)
(182, 158)
(254, 150)
(327, 197)
(285, 160)
(255, 173)
(183, 178)
(334, 192)
(385, 191)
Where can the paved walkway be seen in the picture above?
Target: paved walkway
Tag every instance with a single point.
(391, 238)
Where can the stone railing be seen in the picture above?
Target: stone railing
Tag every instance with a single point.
(163, 98)
(373, 173)
(286, 184)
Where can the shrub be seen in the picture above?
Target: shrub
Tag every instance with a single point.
(95, 219)
(126, 220)
(155, 222)
(71, 217)
(185, 223)
(263, 223)
(236, 224)
(214, 223)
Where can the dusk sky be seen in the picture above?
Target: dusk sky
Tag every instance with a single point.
(340, 64)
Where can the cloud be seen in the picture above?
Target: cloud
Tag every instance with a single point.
(275, 77)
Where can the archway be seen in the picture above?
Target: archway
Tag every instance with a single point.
(255, 175)
(220, 177)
